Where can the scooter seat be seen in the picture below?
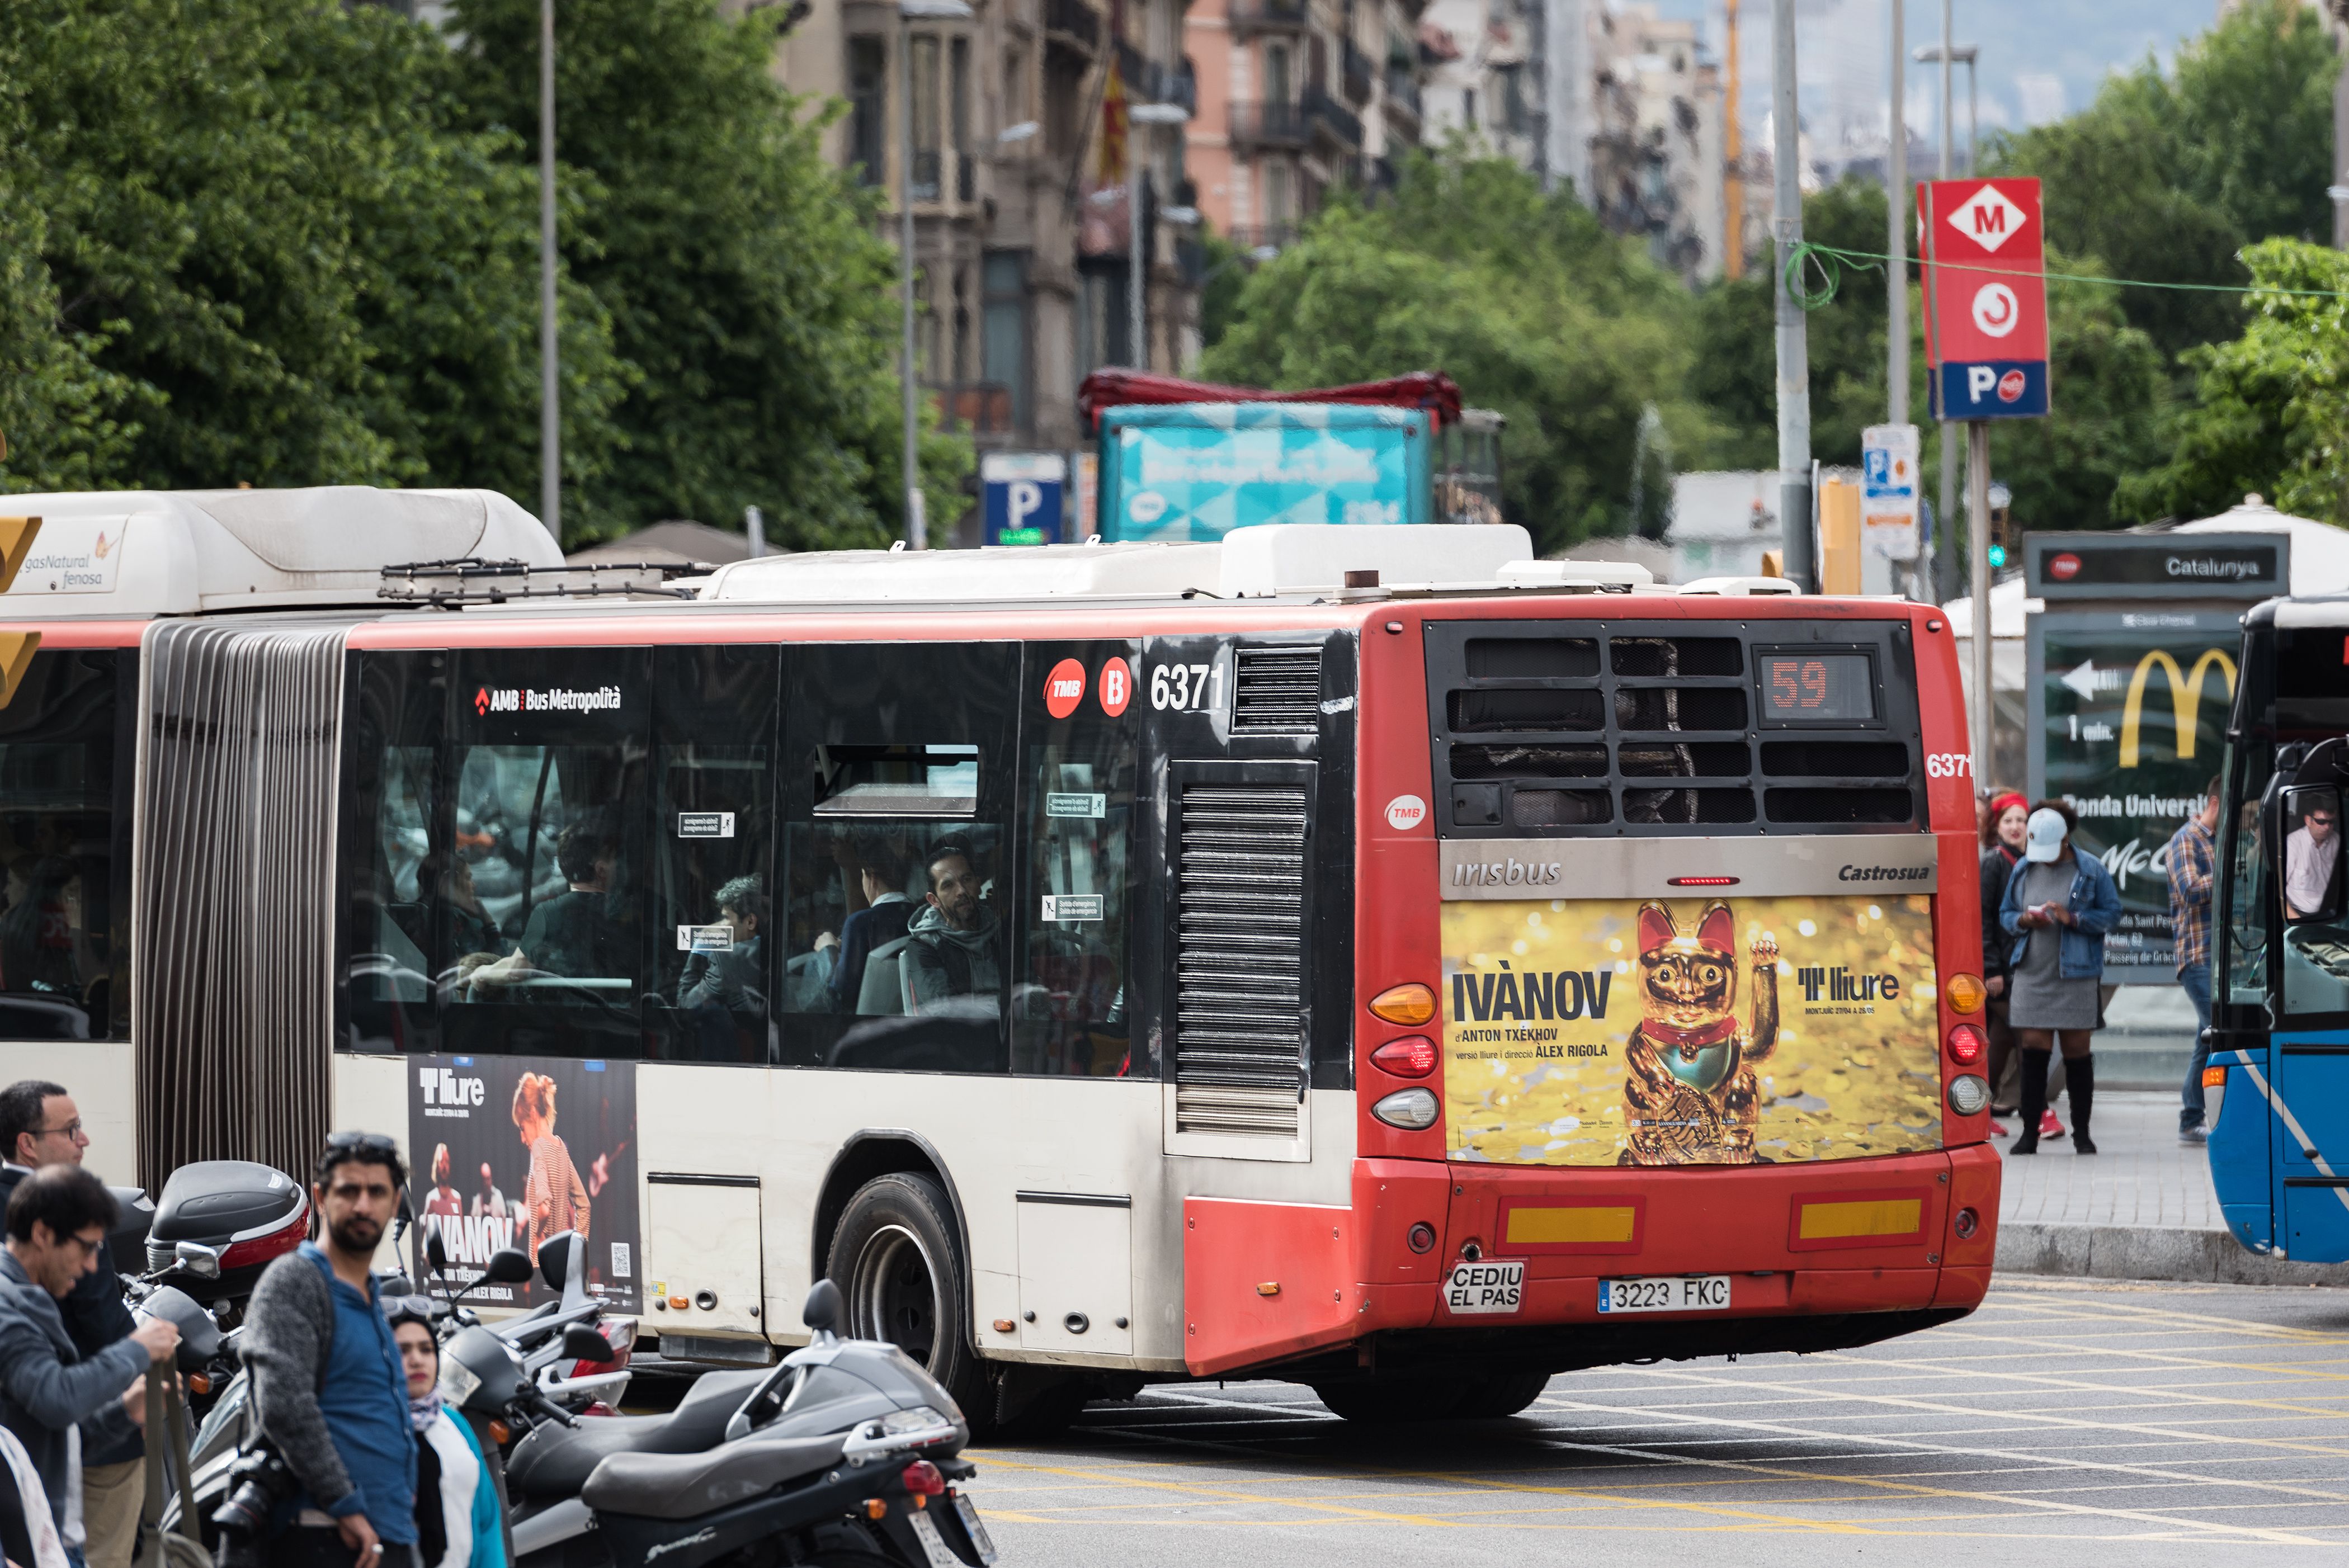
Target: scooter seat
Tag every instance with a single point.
(686, 1486)
(556, 1461)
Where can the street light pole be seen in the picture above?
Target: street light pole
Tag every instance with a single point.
(1895, 244)
(550, 351)
(1794, 346)
(1139, 118)
(917, 532)
(1946, 546)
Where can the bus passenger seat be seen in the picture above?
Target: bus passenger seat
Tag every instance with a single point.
(881, 991)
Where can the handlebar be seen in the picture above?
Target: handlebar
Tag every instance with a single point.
(535, 1401)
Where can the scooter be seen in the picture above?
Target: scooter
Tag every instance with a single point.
(830, 1457)
(167, 1465)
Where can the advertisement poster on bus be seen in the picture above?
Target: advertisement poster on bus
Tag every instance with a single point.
(2128, 726)
(510, 1150)
(1197, 479)
(1690, 1032)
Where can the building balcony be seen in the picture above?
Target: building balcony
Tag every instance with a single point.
(1266, 16)
(1263, 236)
(1155, 81)
(1258, 122)
(1333, 118)
(1074, 22)
(980, 410)
(1357, 72)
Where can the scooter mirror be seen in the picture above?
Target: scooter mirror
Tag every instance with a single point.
(554, 1259)
(436, 1250)
(509, 1266)
(195, 1258)
(823, 1307)
(581, 1343)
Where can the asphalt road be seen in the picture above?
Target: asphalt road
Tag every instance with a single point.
(2068, 1422)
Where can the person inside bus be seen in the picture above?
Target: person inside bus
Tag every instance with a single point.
(448, 875)
(725, 989)
(952, 953)
(2308, 853)
(887, 914)
(2059, 905)
(573, 933)
(37, 931)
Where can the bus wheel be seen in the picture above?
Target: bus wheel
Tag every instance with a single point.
(1500, 1394)
(896, 1264)
(1393, 1397)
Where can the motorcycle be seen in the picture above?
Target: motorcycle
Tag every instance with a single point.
(830, 1458)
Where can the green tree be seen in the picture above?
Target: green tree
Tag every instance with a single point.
(1568, 331)
(2271, 412)
(743, 280)
(2166, 177)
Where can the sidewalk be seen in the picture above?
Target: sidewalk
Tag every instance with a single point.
(2140, 1208)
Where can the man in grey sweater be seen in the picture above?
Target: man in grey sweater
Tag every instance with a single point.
(51, 1396)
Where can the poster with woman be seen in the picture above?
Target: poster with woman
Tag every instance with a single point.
(516, 1149)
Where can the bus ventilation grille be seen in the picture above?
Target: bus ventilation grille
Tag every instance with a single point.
(1276, 691)
(1239, 980)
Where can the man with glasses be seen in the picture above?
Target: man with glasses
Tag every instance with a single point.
(52, 1397)
(2308, 852)
(40, 1125)
(327, 1375)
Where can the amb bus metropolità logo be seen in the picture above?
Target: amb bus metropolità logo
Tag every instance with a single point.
(556, 699)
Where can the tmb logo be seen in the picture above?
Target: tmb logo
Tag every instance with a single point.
(2010, 387)
(2064, 567)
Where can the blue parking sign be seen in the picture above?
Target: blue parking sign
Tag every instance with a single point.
(1021, 495)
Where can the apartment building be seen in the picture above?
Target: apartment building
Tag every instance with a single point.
(1017, 179)
(1297, 96)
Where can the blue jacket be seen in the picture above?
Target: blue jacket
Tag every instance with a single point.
(48, 1385)
(2093, 900)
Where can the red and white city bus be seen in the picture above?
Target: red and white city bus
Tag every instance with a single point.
(1365, 956)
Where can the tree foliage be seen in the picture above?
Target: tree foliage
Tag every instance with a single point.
(288, 241)
(1537, 311)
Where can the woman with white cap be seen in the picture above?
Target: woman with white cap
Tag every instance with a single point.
(2059, 904)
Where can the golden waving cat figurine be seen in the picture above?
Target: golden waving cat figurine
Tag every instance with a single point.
(1689, 1085)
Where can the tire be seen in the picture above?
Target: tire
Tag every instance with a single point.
(1372, 1400)
(1500, 1394)
(902, 1278)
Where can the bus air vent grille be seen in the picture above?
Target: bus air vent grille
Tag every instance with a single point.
(1239, 965)
(1276, 691)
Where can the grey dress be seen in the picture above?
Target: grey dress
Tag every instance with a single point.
(2041, 998)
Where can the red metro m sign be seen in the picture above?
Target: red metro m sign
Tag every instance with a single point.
(1985, 297)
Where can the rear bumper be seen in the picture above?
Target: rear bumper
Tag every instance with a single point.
(1845, 1248)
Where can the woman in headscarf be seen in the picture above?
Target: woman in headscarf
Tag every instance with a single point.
(2059, 905)
(456, 1521)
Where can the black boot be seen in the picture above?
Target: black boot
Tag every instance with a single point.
(2081, 1073)
(2034, 1101)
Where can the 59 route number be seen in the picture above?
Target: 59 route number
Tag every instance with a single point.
(1187, 687)
(1949, 765)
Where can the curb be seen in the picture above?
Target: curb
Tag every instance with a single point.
(2148, 1252)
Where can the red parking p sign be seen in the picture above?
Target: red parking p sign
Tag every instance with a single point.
(1985, 297)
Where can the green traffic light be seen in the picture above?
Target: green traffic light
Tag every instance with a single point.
(1998, 555)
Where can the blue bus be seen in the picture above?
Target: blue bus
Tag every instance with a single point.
(2279, 1063)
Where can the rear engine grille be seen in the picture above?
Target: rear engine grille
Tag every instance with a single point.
(1676, 655)
(1699, 759)
(1834, 758)
(1532, 658)
(1239, 982)
(1276, 691)
(1535, 710)
(1529, 762)
(1839, 806)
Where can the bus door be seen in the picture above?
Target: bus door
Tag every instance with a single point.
(2308, 1059)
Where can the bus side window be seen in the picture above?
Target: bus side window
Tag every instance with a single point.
(1069, 1012)
(57, 836)
(2246, 930)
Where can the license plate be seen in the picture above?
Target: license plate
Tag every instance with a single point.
(966, 1511)
(1492, 1285)
(1683, 1292)
(934, 1545)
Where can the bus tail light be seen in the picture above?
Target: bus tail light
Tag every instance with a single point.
(1413, 1056)
(1966, 992)
(1966, 1223)
(1421, 1237)
(1412, 1109)
(1969, 1095)
(1408, 1004)
(1966, 1045)
(2214, 1077)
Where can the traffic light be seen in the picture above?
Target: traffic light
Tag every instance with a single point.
(1997, 556)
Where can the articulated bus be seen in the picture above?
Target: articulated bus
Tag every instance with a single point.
(1367, 956)
(2278, 1075)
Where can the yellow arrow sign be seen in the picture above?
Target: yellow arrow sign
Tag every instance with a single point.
(17, 650)
(16, 536)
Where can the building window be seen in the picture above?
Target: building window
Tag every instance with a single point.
(961, 328)
(958, 118)
(1276, 88)
(1003, 327)
(1015, 85)
(1468, 107)
(926, 139)
(868, 117)
(927, 358)
(1514, 116)
(1279, 205)
(1064, 105)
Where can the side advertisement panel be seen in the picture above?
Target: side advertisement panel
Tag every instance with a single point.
(2128, 726)
(1197, 481)
(510, 1150)
(1762, 1030)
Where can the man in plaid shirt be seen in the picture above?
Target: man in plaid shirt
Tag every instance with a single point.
(2190, 859)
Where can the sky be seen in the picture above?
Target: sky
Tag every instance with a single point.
(2039, 59)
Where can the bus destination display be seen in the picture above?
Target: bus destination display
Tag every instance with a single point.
(1832, 689)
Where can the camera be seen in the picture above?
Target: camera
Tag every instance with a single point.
(257, 1482)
